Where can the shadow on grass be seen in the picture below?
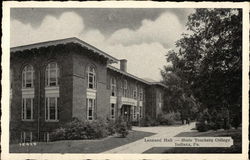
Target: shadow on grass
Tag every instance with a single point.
(81, 146)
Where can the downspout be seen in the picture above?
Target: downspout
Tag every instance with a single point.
(38, 98)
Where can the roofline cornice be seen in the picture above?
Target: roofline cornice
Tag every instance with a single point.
(64, 41)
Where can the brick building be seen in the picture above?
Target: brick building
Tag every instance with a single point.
(55, 81)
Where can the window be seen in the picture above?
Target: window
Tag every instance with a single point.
(141, 94)
(135, 93)
(27, 109)
(51, 74)
(134, 112)
(113, 86)
(26, 137)
(91, 77)
(46, 137)
(90, 108)
(27, 77)
(160, 97)
(51, 108)
(140, 111)
(112, 111)
(125, 86)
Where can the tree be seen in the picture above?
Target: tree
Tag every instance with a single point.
(209, 60)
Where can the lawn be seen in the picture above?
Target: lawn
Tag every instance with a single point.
(235, 134)
(81, 146)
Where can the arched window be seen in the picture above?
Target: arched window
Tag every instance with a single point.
(51, 75)
(28, 77)
(91, 77)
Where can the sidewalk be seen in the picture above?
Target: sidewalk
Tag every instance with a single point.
(161, 132)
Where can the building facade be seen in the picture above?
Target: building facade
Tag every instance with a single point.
(55, 81)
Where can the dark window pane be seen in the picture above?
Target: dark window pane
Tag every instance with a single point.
(52, 109)
(28, 108)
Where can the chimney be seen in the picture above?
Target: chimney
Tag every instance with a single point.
(123, 65)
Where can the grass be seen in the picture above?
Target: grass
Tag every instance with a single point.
(80, 146)
(235, 134)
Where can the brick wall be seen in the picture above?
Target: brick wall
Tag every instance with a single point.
(39, 59)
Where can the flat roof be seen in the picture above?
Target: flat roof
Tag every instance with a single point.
(64, 41)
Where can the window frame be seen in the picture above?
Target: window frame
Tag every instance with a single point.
(113, 86)
(24, 137)
(125, 87)
(140, 112)
(24, 109)
(93, 75)
(25, 71)
(47, 109)
(92, 107)
(141, 94)
(48, 74)
(135, 93)
(112, 108)
(134, 112)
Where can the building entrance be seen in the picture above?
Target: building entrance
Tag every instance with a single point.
(126, 112)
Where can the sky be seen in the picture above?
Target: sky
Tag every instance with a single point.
(142, 36)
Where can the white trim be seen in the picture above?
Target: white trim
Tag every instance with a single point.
(128, 101)
(91, 93)
(160, 105)
(28, 92)
(113, 99)
(140, 103)
(52, 91)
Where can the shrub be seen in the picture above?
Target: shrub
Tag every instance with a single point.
(58, 134)
(236, 121)
(121, 129)
(202, 127)
(110, 127)
(145, 122)
(96, 129)
(169, 118)
(77, 129)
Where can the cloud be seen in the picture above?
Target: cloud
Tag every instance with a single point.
(166, 29)
(67, 25)
(144, 60)
(144, 48)
(94, 37)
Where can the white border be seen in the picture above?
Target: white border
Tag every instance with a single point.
(108, 4)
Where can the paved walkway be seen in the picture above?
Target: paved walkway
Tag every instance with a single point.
(161, 132)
